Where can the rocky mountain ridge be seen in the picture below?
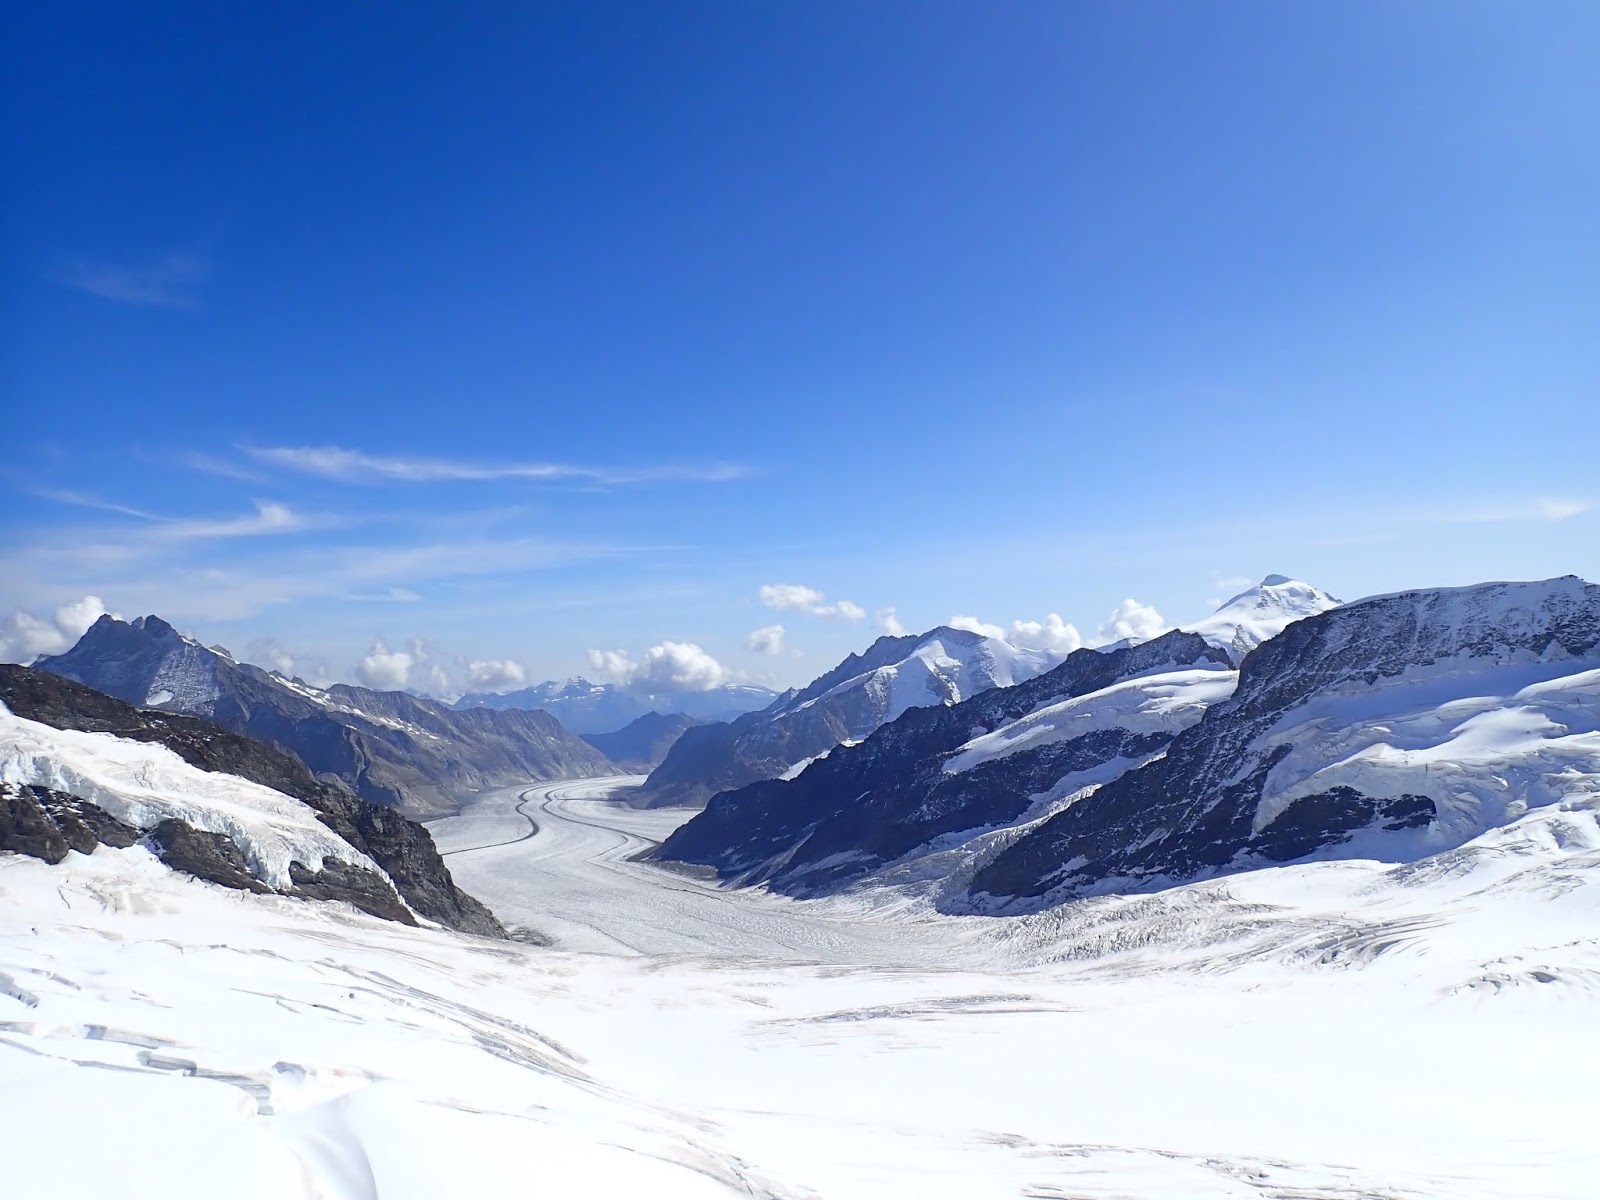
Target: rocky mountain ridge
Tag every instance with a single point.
(390, 748)
(1396, 727)
(864, 805)
(640, 745)
(48, 820)
(896, 673)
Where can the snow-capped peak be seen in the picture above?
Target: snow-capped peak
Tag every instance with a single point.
(1261, 612)
(943, 665)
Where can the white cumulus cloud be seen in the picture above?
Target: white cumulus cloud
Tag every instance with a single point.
(766, 640)
(24, 636)
(1130, 619)
(1052, 634)
(385, 669)
(972, 624)
(808, 599)
(889, 622)
(271, 654)
(790, 595)
(420, 667)
(495, 674)
(613, 664)
(671, 666)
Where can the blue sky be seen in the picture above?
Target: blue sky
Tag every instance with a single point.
(526, 330)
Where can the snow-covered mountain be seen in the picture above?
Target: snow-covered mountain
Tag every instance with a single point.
(1261, 612)
(585, 707)
(80, 769)
(894, 675)
(388, 747)
(1110, 768)
(993, 763)
(1395, 727)
(939, 776)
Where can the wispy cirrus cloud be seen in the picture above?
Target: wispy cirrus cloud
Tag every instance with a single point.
(211, 464)
(77, 499)
(355, 466)
(1546, 508)
(194, 580)
(171, 281)
(270, 517)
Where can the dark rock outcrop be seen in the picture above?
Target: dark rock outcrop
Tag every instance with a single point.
(388, 747)
(209, 856)
(868, 804)
(401, 847)
(366, 890)
(46, 824)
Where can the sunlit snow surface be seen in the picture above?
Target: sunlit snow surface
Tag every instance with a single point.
(1160, 702)
(1333, 1030)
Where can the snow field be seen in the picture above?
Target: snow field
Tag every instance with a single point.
(1525, 740)
(1329, 1030)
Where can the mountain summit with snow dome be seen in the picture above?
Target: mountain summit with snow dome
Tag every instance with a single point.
(1245, 621)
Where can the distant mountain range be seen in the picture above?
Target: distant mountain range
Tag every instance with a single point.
(586, 707)
(642, 743)
(1396, 727)
(389, 748)
(896, 674)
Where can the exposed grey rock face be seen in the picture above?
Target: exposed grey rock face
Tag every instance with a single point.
(388, 747)
(209, 856)
(1198, 810)
(643, 742)
(402, 847)
(45, 824)
(939, 667)
(586, 707)
(868, 804)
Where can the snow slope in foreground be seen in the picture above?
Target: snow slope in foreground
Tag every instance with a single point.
(1325, 1030)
